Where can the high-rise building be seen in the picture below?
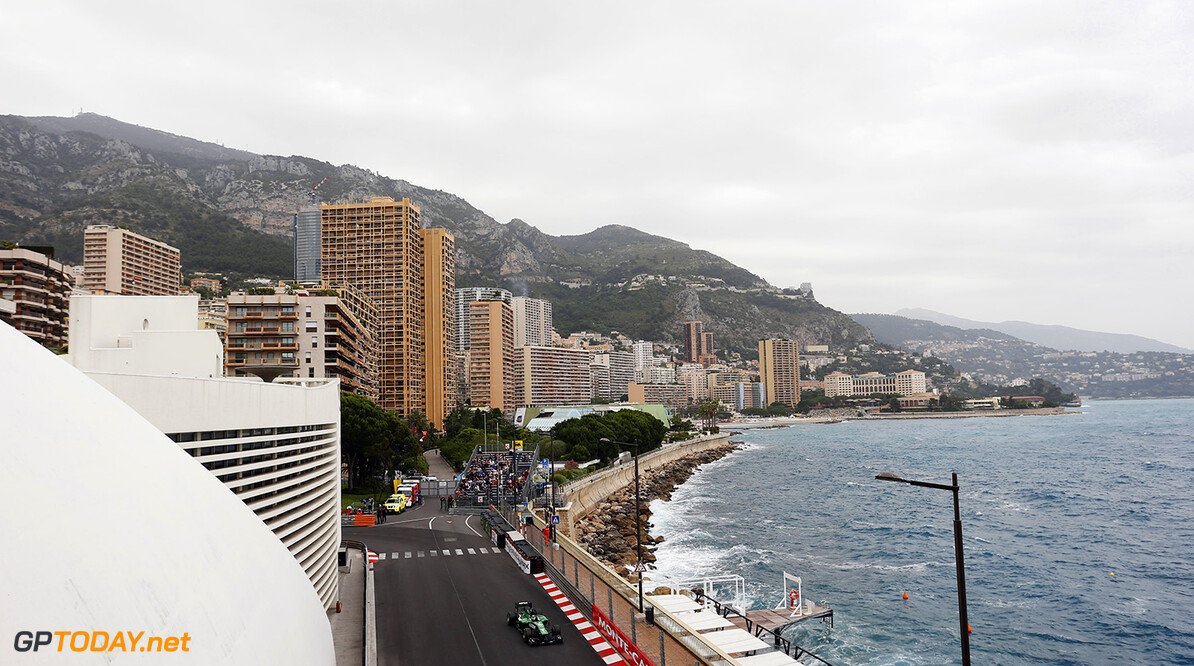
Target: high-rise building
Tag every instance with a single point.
(118, 261)
(621, 373)
(33, 295)
(466, 296)
(491, 354)
(532, 322)
(307, 232)
(707, 348)
(439, 286)
(303, 335)
(643, 349)
(377, 246)
(779, 371)
(694, 339)
(550, 376)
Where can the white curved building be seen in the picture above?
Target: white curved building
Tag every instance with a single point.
(116, 541)
(275, 446)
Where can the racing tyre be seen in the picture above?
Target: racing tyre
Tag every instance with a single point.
(510, 619)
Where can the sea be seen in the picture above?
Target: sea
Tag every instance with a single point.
(1078, 534)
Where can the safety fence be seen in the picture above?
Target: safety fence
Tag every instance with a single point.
(589, 583)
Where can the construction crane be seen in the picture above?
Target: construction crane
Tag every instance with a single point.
(316, 187)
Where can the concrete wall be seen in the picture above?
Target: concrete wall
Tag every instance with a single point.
(586, 493)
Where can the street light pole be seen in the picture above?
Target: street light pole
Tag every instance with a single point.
(963, 617)
(638, 527)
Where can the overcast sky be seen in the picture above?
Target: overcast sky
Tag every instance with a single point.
(1000, 160)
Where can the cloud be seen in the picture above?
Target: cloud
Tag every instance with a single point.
(973, 158)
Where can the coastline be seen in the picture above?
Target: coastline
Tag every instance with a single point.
(850, 415)
(608, 531)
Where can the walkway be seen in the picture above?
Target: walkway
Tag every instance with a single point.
(348, 626)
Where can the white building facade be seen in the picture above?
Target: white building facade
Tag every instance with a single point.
(275, 446)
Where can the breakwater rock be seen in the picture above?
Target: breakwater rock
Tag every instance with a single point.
(608, 532)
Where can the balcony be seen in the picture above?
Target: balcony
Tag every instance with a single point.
(253, 314)
(278, 346)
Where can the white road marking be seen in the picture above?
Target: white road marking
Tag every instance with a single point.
(381, 556)
(459, 552)
(447, 552)
(471, 551)
(471, 527)
(408, 554)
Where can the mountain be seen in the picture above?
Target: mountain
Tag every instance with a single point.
(1056, 337)
(992, 357)
(230, 210)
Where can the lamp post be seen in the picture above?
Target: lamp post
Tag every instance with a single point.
(638, 527)
(963, 618)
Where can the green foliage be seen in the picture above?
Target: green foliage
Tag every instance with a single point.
(583, 435)
(261, 291)
(374, 440)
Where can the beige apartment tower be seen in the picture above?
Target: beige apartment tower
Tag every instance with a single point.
(377, 246)
(779, 371)
(118, 261)
(491, 354)
(439, 287)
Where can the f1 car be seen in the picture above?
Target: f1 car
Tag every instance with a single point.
(533, 625)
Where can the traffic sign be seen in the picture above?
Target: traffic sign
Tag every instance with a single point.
(555, 520)
(639, 568)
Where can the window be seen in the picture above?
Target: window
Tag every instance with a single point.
(287, 327)
(310, 372)
(287, 309)
(314, 342)
(241, 310)
(287, 341)
(308, 310)
(287, 356)
(240, 327)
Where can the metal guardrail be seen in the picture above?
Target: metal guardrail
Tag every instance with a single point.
(370, 625)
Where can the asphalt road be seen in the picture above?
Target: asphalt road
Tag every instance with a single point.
(451, 609)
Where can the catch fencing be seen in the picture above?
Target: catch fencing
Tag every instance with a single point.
(589, 582)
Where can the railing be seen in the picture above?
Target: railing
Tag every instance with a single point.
(781, 643)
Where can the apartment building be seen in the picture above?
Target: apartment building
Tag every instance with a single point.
(693, 336)
(33, 294)
(118, 261)
(491, 354)
(326, 334)
(621, 373)
(532, 322)
(551, 376)
(378, 247)
(466, 296)
(779, 371)
(439, 270)
(673, 396)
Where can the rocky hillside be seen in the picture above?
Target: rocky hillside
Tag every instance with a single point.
(229, 210)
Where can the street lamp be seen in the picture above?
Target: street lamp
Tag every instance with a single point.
(638, 528)
(963, 618)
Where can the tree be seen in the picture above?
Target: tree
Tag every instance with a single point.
(707, 410)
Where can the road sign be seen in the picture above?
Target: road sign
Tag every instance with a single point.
(555, 520)
(546, 464)
(639, 568)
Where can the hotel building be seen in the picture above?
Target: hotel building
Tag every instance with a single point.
(33, 295)
(908, 382)
(118, 261)
(779, 371)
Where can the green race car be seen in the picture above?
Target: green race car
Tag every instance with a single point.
(533, 625)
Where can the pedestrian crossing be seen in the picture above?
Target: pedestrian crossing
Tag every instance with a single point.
(447, 552)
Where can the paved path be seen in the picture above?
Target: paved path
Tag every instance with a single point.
(348, 626)
(451, 608)
(438, 467)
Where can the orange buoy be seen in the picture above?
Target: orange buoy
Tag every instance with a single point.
(968, 629)
(905, 595)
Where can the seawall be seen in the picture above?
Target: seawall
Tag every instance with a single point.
(586, 493)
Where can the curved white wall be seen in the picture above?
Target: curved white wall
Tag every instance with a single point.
(110, 526)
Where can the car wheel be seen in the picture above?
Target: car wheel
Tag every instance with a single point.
(510, 619)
